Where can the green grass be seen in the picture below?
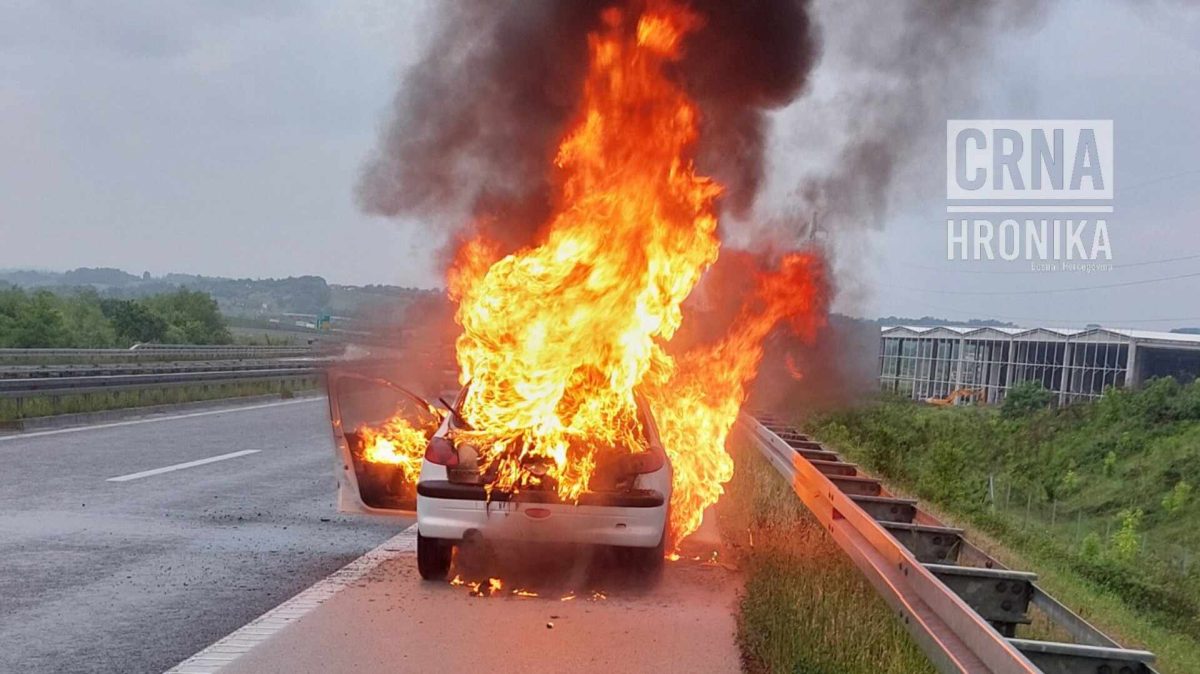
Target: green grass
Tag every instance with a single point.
(805, 607)
(1064, 481)
(1130, 626)
(11, 410)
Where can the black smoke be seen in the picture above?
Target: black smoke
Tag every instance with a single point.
(912, 63)
(477, 120)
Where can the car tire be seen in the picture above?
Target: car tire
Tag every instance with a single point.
(433, 557)
(646, 563)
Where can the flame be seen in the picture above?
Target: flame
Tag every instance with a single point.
(793, 369)
(557, 337)
(476, 588)
(398, 443)
(560, 339)
(697, 401)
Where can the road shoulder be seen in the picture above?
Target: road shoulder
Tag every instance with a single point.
(388, 618)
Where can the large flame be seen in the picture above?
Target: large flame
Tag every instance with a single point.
(560, 338)
(697, 400)
(557, 337)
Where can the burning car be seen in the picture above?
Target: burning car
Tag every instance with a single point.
(566, 339)
(400, 455)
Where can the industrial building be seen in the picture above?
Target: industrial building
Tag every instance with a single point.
(953, 364)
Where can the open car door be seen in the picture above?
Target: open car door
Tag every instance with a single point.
(380, 432)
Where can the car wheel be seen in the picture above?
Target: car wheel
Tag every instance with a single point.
(433, 557)
(646, 563)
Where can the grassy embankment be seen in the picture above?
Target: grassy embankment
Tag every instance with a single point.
(1096, 498)
(805, 607)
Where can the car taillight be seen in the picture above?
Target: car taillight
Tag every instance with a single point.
(441, 451)
(643, 462)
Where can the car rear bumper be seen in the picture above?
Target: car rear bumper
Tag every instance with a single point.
(444, 489)
(635, 519)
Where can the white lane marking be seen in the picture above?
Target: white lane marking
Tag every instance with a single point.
(181, 466)
(242, 640)
(135, 422)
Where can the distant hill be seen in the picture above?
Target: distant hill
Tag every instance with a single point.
(30, 279)
(99, 276)
(245, 297)
(931, 321)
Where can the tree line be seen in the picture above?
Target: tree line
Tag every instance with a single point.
(85, 320)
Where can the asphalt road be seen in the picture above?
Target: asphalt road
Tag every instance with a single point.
(136, 575)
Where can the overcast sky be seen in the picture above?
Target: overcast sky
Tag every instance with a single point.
(225, 138)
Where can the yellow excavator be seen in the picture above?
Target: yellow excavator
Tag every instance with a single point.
(975, 395)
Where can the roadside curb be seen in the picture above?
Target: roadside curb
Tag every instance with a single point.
(89, 418)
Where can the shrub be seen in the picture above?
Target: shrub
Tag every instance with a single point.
(1179, 496)
(134, 322)
(1110, 464)
(948, 475)
(1070, 480)
(1126, 541)
(1024, 399)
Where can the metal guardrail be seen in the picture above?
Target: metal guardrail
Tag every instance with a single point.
(24, 371)
(157, 352)
(150, 346)
(961, 605)
(60, 386)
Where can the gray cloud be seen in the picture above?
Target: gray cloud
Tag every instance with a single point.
(227, 138)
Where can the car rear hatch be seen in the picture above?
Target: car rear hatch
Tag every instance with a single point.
(380, 432)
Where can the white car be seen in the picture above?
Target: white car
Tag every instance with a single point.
(627, 507)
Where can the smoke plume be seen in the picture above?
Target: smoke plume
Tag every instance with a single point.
(902, 68)
(869, 137)
(476, 123)
(469, 146)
